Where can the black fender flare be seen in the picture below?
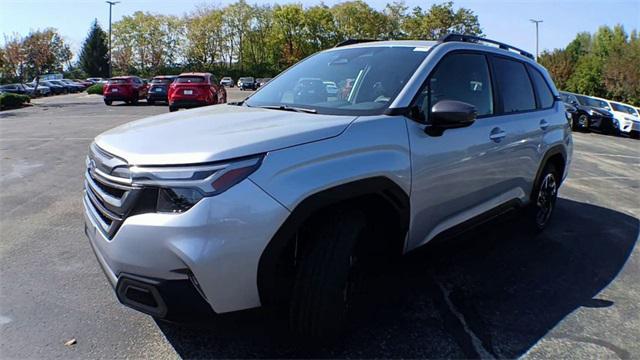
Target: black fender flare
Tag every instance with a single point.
(552, 151)
(268, 263)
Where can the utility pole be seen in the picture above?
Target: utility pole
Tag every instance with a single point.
(536, 22)
(111, 3)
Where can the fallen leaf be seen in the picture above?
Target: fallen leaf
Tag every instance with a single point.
(70, 342)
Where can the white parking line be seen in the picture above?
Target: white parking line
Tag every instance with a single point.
(602, 154)
(603, 178)
(47, 139)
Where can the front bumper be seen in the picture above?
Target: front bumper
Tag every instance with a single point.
(215, 246)
(628, 126)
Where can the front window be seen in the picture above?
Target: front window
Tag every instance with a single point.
(593, 102)
(623, 108)
(356, 81)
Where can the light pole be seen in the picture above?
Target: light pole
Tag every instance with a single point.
(536, 22)
(111, 3)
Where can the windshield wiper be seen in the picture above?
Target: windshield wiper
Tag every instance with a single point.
(289, 108)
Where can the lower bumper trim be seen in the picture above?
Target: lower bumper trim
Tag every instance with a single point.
(172, 300)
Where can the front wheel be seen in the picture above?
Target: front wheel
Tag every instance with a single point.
(543, 199)
(325, 280)
(583, 122)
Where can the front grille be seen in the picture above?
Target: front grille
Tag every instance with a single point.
(109, 195)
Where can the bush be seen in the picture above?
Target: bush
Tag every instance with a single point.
(8, 100)
(95, 89)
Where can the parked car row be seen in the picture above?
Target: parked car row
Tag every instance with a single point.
(610, 117)
(49, 87)
(186, 90)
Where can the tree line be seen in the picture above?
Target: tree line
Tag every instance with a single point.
(604, 64)
(244, 39)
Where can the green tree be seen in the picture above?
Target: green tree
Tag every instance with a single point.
(440, 20)
(94, 56)
(560, 64)
(45, 52)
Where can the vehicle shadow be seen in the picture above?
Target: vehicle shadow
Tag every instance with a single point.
(508, 285)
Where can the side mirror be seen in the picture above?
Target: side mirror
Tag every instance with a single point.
(449, 114)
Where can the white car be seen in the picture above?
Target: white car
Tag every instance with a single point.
(625, 117)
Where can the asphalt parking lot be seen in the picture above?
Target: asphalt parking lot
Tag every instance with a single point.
(498, 292)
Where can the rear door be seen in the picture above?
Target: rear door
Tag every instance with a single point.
(460, 174)
(526, 116)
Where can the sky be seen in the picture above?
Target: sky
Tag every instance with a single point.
(503, 20)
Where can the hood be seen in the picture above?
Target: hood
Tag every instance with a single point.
(214, 133)
(601, 111)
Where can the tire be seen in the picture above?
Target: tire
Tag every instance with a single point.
(151, 102)
(323, 287)
(134, 101)
(172, 109)
(583, 122)
(108, 102)
(543, 198)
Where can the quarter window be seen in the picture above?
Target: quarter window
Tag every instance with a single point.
(545, 96)
(461, 77)
(514, 84)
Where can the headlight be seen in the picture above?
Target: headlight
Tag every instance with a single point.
(181, 187)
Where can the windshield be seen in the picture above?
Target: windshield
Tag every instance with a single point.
(356, 81)
(246, 79)
(190, 79)
(593, 102)
(623, 108)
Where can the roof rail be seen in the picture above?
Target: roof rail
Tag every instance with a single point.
(477, 39)
(353, 41)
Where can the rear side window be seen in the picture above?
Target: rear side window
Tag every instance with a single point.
(545, 96)
(190, 79)
(461, 77)
(514, 84)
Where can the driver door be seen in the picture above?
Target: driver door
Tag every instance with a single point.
(460, 173)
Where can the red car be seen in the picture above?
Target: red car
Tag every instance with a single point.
(195, 89)
(129, 89)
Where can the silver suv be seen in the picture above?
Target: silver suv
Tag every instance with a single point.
(286, 197)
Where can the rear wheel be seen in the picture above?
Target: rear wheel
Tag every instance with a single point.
(543, 199)
(108, 102)
(151, 102)
(326, 276)
(134, 101)
(172, 109)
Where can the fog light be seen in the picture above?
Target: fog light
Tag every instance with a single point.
(177, 200)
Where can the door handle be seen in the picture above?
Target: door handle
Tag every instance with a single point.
(497, 134)
(544, 124)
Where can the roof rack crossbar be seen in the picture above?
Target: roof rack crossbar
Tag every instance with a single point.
(477, 39)
(353, 41)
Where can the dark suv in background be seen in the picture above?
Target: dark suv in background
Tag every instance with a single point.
(247, 83)
(589, 113)
(159, 88)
